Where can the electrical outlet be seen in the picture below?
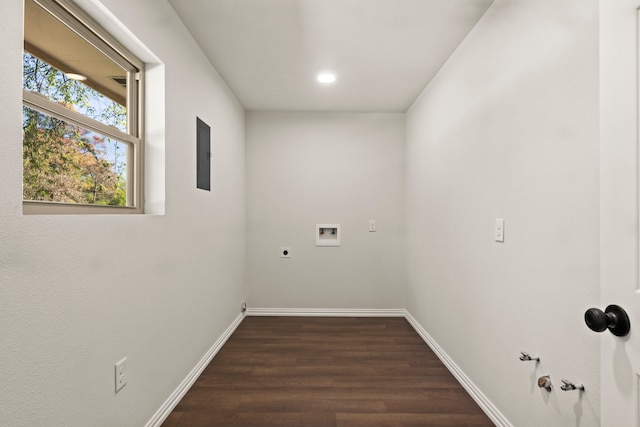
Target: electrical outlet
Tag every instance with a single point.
(372, 225)
(121, 374)
(243, 307)
(498, 231)
(285, 252)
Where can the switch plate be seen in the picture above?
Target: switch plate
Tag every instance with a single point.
(285, 252)
(372, 225)
(498, 232)
(121, 374)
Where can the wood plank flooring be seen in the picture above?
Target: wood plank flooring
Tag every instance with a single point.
(312, 371)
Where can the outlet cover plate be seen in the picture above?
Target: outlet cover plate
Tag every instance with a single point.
(121, 374)
(498, 231)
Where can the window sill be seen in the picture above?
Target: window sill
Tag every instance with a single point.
(53, 208)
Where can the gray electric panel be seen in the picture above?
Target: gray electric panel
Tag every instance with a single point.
(203, 166)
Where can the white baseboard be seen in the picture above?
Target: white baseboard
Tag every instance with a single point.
(485, 404)
(326, 312)
(175, 397)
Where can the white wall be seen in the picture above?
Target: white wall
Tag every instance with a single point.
(509, 129)
(309, 168)
(78, 293)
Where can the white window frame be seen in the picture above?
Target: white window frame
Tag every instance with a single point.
(86, 27)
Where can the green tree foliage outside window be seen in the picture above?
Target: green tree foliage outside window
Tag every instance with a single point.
(63, 162)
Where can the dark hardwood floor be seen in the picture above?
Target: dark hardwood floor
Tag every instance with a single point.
(346, 372)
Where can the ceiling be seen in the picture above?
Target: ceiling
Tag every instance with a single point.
(384, 52)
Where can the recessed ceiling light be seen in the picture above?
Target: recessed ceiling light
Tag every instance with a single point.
(326, 78)
(74, 76)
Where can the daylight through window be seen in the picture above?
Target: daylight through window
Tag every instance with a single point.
(81, 114)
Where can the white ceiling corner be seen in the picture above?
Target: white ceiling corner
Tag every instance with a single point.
(384, 52)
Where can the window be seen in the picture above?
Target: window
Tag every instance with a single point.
(81, 115)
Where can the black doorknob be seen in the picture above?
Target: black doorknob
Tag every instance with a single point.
(614, 318)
